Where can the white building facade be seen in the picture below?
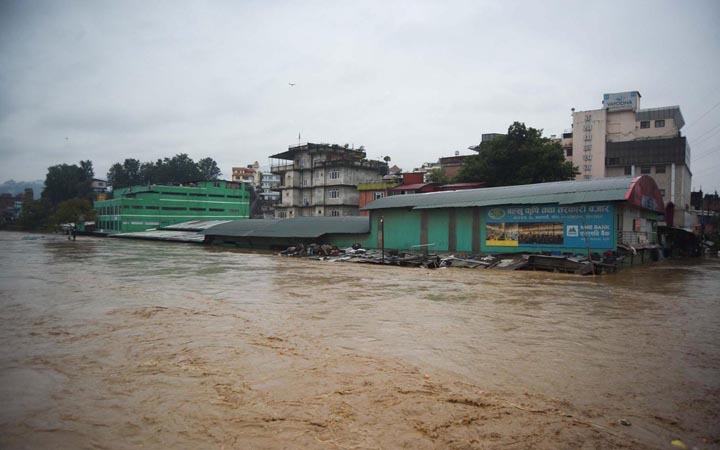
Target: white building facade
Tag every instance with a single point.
(621, 139)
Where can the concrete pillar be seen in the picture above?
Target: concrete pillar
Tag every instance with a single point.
(672, 185)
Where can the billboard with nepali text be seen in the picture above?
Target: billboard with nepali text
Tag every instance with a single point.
(557, 226)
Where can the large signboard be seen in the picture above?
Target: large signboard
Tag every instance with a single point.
(568, 226)
(621, 101)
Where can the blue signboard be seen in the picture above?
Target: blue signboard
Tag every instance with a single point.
(569, 226)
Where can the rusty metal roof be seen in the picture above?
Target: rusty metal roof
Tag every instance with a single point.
(298, 227)
(561, 192)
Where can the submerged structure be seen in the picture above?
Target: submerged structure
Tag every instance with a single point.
(580, 217)
(570, 217)
(140, 208)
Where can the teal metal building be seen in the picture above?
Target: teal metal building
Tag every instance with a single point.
(139, 208)
(568, 216)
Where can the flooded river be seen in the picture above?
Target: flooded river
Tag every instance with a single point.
(110, 343)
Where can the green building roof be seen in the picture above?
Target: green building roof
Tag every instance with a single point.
(298, 227)
(561, 192)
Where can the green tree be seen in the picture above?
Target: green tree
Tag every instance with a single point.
(208, 169)
(64, 182)
(178, 169)
(437, 175)
(34, 215)
(125, 174)
(523, 156)
(73, 211)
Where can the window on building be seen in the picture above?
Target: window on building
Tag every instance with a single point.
(216, 184)
(334, 213)
(644, 169)
(588, 117)
(334, 174)
(587, 147)
(587, 168)
(659, 123)
(587, 127)
(662, 192)
(628, 170)
(282, 214)
(334, 193)
(660, 169)
(588, 137)
(568, 151)
(216, 209)
(377, 195)
(613, 161)
(644, 124)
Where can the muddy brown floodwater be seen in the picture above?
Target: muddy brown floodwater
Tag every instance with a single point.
(117, 344)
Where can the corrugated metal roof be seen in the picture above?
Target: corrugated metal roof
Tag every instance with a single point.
(561, 192)
(412, 187)
(194, 225)
(298, 227)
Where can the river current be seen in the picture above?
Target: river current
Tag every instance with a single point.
(111, 343)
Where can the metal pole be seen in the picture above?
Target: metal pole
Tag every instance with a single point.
(382, 238)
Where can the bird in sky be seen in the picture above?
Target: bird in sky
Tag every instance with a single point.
(292, 84)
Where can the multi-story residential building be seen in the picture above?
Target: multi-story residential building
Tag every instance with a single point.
(620, 139)
(322, 179)
(139, 208)
(249, 174)
(269, 185)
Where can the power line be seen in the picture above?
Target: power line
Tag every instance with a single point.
(702, 116)
(712, 150)
(703, 137)
(705, 169)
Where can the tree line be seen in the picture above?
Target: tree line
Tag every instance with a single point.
(67, 196)
(178, 169)
(522, 156)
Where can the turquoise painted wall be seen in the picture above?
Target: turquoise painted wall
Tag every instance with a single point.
(463, 226)
(402, 228)
(438, 222)
(403, 231)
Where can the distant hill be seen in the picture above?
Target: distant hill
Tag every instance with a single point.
(18, 187)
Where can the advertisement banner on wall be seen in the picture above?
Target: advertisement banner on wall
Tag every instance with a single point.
(568, 226)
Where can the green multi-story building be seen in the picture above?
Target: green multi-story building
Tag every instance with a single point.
(140, 208)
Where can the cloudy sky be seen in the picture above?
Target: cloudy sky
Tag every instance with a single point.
(414, 80)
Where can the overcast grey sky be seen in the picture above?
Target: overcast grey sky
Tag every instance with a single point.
(415, 80)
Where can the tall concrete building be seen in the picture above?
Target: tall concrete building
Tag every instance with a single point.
(322, 179)
(621, 139)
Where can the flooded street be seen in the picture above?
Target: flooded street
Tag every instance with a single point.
(119, 344)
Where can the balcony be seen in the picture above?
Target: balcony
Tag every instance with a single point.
(358, 163)
(280, 168)
(635, 238)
